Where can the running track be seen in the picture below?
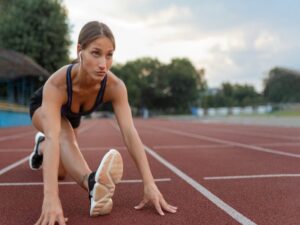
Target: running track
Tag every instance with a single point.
(215, 173)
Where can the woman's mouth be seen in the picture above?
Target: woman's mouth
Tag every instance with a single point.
(100, 73)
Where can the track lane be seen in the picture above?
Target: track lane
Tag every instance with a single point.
(234, 161)
(193, 208)
(277, 198)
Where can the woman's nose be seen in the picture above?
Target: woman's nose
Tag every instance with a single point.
(102, 64)
(102, 67)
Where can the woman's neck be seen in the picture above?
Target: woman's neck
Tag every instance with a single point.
(82, 79)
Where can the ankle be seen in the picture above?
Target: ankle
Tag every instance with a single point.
(91, 180)
(90, 183)
(85, 181)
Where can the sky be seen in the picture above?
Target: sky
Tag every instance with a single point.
(234, 41)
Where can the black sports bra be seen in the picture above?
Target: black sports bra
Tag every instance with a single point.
(66, 108)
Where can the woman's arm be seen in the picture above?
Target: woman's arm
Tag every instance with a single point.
(50, 120)
(136, 150)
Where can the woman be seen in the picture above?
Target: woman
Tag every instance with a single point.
(56, 109)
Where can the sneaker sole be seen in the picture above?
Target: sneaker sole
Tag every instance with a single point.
(30, 160)
(36, 140)
(107, 176)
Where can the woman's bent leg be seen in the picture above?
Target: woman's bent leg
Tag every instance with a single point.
(71, 160)
(71, 157)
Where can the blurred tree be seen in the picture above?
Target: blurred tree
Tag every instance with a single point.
(232, 95)
(165, 87)
(139, 78)
(282, 86)
(183, 82)
(228, 90)
(246, 95)
(37, 28)
(201, 82)
(227, 95)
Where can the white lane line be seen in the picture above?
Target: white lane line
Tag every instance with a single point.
(124, 148)
(213, 198)
(134, 181)
(157, 147)
(14, 165)
(87, 127)
(141, 181)
(189, 146)
(16, 136)
(280, 144)
(251, 176)
(102, 148)
(259, 134)
(254, 134)
(81, 148)
(15, 150)
(5, 138)
(21, 161)
(113, 123)
(202, 137)
(219, 146)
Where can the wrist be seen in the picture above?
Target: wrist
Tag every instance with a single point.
(149, 182)
(147, 177)
(50, 193)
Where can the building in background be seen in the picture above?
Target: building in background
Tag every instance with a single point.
(20, 76)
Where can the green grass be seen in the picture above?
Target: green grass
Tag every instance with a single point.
(286, 113)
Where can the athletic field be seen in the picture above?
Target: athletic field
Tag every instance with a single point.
(216, 173)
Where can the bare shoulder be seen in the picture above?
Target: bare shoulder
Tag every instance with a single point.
(55, 87)
(58, 78)
(115, 89)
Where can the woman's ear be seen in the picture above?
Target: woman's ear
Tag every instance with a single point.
(79, 51)
(80, 57)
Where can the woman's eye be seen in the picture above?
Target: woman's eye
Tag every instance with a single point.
(95, 53)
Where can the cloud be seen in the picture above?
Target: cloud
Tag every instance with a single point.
(267, 41)
(137, 33)
(234, 41)
(172, 15)
(239, 55)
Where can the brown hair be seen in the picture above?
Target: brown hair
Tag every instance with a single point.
(93, 30)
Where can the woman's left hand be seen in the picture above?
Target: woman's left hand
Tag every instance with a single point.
(152, 194)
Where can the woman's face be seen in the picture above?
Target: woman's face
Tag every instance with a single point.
(96, 58)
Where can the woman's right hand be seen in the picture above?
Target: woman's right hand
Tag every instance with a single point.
(51, 211)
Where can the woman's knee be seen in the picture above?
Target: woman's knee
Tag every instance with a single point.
(37, 119)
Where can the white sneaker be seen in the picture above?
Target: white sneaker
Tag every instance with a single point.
(36, 159)
(102, 183)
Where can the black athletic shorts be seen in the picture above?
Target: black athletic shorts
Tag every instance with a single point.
(36, 102)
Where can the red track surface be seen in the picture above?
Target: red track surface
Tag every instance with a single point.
(198, 151)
